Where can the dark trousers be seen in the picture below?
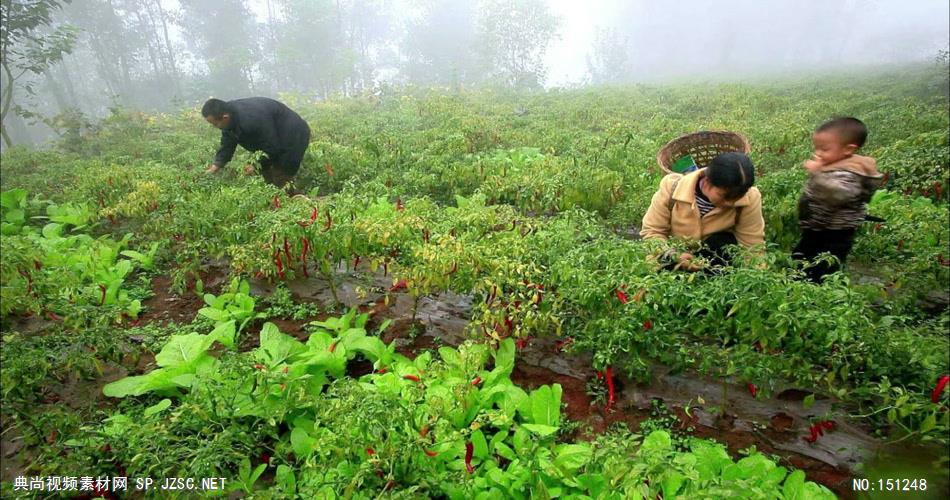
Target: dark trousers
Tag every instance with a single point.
(281, 168)
(714, 248)
(837, 242)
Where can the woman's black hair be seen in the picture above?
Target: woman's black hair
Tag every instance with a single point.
(732, 172)
(215, 107)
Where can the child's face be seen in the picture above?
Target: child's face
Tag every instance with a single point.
(829, 147)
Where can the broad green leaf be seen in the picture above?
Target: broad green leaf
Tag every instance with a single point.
(301, 442)
(656, 442)
(671, 483)
(794, 487)
(157, 407)
(479, 445)
(183, 350)
(224, 333)
(572, 456)
(277, 347)
(541, 430)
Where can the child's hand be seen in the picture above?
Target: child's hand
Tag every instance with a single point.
(813, 164)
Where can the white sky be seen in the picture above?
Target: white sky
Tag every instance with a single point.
(675, 38)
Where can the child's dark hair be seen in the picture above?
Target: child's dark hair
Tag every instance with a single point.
(733, 173)
(849, 129)
(215, 107)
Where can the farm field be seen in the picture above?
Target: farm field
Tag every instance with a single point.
(458, 304)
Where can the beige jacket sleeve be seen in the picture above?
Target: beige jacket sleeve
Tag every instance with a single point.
(656, 222)
(750, 225)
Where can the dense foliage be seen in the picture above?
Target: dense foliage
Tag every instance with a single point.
(524, 202)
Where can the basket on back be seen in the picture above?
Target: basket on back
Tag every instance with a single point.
(702, 147)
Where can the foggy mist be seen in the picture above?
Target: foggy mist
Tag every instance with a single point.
(163, 54)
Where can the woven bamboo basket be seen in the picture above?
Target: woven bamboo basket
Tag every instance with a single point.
(702, 146)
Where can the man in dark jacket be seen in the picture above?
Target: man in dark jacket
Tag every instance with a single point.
(259, 124)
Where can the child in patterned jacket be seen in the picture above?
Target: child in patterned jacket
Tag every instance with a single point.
(834, 201)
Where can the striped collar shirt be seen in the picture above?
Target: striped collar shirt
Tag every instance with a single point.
(702, 203)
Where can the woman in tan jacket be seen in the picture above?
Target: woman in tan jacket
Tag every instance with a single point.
(716, 205)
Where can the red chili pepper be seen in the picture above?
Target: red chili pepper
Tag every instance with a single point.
(370, 451)
(29, 280)
(332, 347)
(265, 458)
(424, 431)
(260, 367)
(411, 377)
(399, 204)
(381, 371)
(53, 316)
(827, 424)
(600, 375)
(478, 380)
(329, 224)
(935, 395)
(469, 450)
(102, 294)
(431, 453)
(558, 347)
(877, 227)
(609, 375)
(275, 203)
(753, 390)
(622, 297)
(313, 215)
(455, 268)
(400, 285)
(287, 251)
(813, 430)
(510, 326)
(303, 255)
(279, 264)
(647, 324)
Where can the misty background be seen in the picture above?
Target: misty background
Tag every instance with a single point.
(66, 65)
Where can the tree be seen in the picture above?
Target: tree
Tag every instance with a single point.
(513, 38)
(609, 62)
(439, 42)
(222, 34)
(30, 45)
